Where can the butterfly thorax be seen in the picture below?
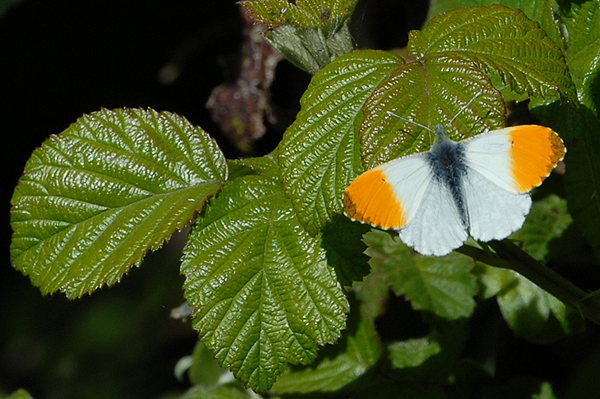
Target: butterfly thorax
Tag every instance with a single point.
(446, 159)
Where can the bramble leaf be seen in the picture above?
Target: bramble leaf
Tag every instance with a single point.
(309, 33)
(302, 13)
(319, 154)
(430, 93)
(337, 365)
(546, 221)
(499, 39)
(530, 311)
(95, 198)
(444, 286)
(583, 179)
(263, 292)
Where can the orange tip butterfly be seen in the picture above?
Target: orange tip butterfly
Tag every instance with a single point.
(478, 187)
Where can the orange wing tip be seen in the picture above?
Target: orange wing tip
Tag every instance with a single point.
(535, 151)
(371, 199)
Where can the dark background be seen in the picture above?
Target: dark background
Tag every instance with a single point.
(60, 59)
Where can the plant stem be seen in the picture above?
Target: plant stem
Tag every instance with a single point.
(512, 257)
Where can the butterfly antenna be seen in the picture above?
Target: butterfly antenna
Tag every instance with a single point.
(465, 107)
(409, 121)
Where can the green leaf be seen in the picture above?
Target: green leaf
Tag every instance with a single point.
(442, 285)
(204, 369)
(582, 183)
(541, 11)
(263, 292)
(582, 22)
(221, 392)
(339, 365)
(413, 352)
(95, 198)
(530, 311)
(583, 178)
(521, 387)
(309, 33)
(346, 251)
(319, 154)
(19, 394)
(432, 357)
(547, 220)
(432, 92)
(303, 13)
(265, 165)
(500, 39)
(311, 49)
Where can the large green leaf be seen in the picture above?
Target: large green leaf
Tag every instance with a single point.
(444, 286)
(95, 198)
(457, 56)
(263, 292)
(500, 39)
(430, 93)
(319, 154)
(582, 23)
(542, 11)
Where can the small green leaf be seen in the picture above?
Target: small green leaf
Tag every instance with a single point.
(546, 221)
(521, 387)
(303, 13)
(412, 352)
(319, 154)
(431, 357)
(220, 392)
(204, 369)
(265, 165)
(338, 365)
(309, 33)
(311, 49)
(530, 311)
(95, 198)
(263, 292)
(444, 286)
(19, 394)
(500, 39)
(374, 292)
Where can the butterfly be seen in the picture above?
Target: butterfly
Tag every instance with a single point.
(478, 187)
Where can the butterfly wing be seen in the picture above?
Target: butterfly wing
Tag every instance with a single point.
(403, 195)
(388, 196)
(436, 228)
(504, 165)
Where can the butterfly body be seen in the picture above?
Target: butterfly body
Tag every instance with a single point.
(478, 187)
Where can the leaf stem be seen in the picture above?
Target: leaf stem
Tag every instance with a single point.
(512, 257)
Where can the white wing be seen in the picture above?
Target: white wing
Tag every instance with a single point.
(436, 229)
(489, 153)
(408, 177)
(494, 206)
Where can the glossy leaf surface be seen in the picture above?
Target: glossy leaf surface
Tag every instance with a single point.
(262, 289)
(95, 198)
